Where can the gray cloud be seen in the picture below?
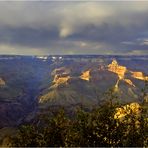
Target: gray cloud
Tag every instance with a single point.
(73, 27)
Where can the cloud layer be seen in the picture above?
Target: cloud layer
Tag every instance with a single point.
(73, 27)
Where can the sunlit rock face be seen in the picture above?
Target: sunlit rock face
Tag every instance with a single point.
(139, 75)
(60, 76)
(63, 77)
(132, 108)
(119, 70)
(2, 82)
(128, 81)
(59, 80)
(85, 75)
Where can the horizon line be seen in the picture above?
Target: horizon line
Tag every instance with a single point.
(73, 55)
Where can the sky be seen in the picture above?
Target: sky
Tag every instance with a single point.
(75, 27)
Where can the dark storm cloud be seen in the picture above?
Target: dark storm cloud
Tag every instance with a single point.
(28, 36)
(74, 27)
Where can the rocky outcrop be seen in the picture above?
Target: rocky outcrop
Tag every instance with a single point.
(71, 87)
(128, 81)
(139, 75)
(61, 76)
(119, 70)
(2, 82)
(59, 80)
(86, 75)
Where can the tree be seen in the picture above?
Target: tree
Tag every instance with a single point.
(96, 128)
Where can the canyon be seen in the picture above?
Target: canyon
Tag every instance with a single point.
(30, 83)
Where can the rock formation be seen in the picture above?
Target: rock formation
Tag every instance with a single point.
(139, 75)
(128, 81)
(85, 75)
(2, 82)
(119, 70)
(59, 80)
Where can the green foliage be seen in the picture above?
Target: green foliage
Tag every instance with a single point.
(89, 129)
